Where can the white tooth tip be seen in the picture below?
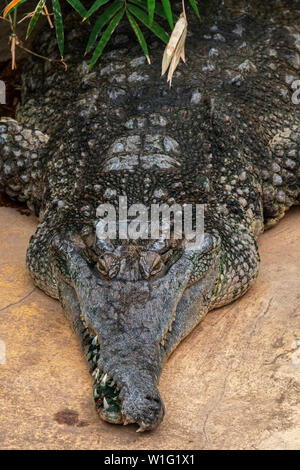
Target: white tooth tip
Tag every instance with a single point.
(142, 427)
(104, 380)
(105, 404)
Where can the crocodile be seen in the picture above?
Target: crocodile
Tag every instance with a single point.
(224, 136)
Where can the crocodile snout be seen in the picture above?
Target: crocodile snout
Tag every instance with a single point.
(127, 393)
(137, 401)
(144, 407)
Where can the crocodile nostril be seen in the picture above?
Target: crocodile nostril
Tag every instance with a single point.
(144, 407)
(154, 402)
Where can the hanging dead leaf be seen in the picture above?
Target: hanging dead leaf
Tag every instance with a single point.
(175, 48)
(178, 54)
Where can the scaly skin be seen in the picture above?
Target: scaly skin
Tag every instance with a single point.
(226, 135)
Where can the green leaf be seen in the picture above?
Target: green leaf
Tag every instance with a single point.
(168, 10)
(35, 17)
(58, 25)
(95, 7)
(159, 11)
(151, 9)
(155, 27)
(77, 5)
(195, 8)
(106, 37)
(139, 35)
(101, 22)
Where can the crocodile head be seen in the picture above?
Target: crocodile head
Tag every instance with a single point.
(137, 301)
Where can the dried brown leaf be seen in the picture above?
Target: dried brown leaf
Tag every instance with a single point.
(178, 54)
(179, 31)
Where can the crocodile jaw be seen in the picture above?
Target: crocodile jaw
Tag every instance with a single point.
(128, 326)
(127, 322)
(130, 337)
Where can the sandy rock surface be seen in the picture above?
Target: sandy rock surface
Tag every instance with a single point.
(234, 383)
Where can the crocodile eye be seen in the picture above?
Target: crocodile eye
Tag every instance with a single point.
(151, 264)
(108, 265)
(156, 267)
(102, 266)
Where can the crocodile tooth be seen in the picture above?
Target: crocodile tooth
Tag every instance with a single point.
(96, 394)
(104, 380)
(105, 404)
(95, 341)
(170, 328)
(96, 373)
(142, 427)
